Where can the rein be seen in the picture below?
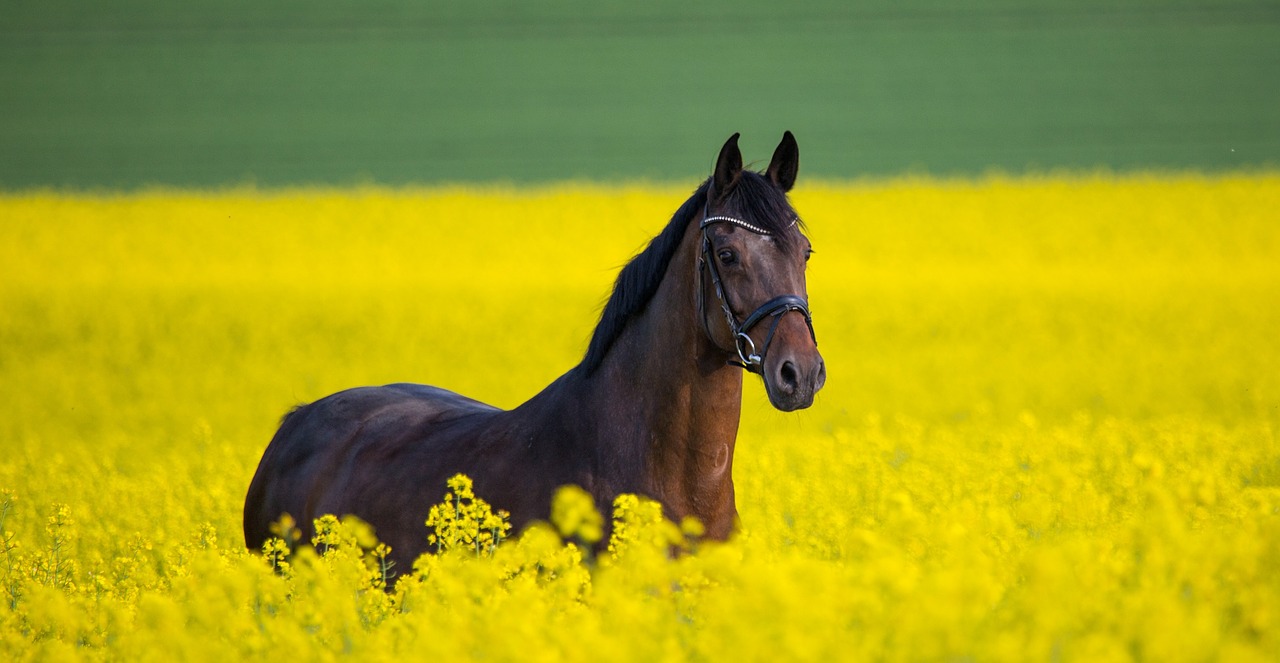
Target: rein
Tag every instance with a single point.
(748, 357)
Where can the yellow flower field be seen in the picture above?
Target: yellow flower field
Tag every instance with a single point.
(1048, 432)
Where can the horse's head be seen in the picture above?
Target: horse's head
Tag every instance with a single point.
(753, 262)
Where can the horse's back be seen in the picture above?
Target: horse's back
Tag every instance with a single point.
(308, 470)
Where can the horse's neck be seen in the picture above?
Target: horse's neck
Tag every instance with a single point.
(672, 404)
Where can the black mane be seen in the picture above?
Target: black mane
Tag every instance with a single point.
(753, 198)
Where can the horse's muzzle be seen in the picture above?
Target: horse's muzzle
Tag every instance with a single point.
(794, 371)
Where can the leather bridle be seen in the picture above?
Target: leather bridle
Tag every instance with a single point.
(749, 358)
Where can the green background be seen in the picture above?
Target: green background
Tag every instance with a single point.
(138, 92)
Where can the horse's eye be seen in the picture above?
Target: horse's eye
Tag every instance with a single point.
(808, 253)
(727, 257)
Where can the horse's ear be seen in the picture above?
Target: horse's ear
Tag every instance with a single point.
(786, 162)
(728, 167)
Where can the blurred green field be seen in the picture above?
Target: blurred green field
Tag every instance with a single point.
(139, 92)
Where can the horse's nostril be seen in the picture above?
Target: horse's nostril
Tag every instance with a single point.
(790, 378)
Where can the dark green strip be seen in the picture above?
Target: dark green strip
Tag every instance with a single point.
(131, 93)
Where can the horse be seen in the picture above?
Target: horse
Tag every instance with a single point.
(652, 409)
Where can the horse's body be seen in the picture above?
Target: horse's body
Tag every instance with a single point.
(653, 408)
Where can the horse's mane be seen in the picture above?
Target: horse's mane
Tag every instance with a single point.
(753, 198)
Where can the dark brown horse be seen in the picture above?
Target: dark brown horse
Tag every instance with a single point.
(652, 409)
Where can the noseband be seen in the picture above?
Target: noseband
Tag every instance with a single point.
(748, 357)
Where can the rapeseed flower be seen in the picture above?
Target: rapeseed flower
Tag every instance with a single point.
(1048, 433)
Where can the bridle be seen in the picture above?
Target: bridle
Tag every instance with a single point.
(748, 358)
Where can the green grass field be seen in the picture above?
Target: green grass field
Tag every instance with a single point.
(139, 92)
